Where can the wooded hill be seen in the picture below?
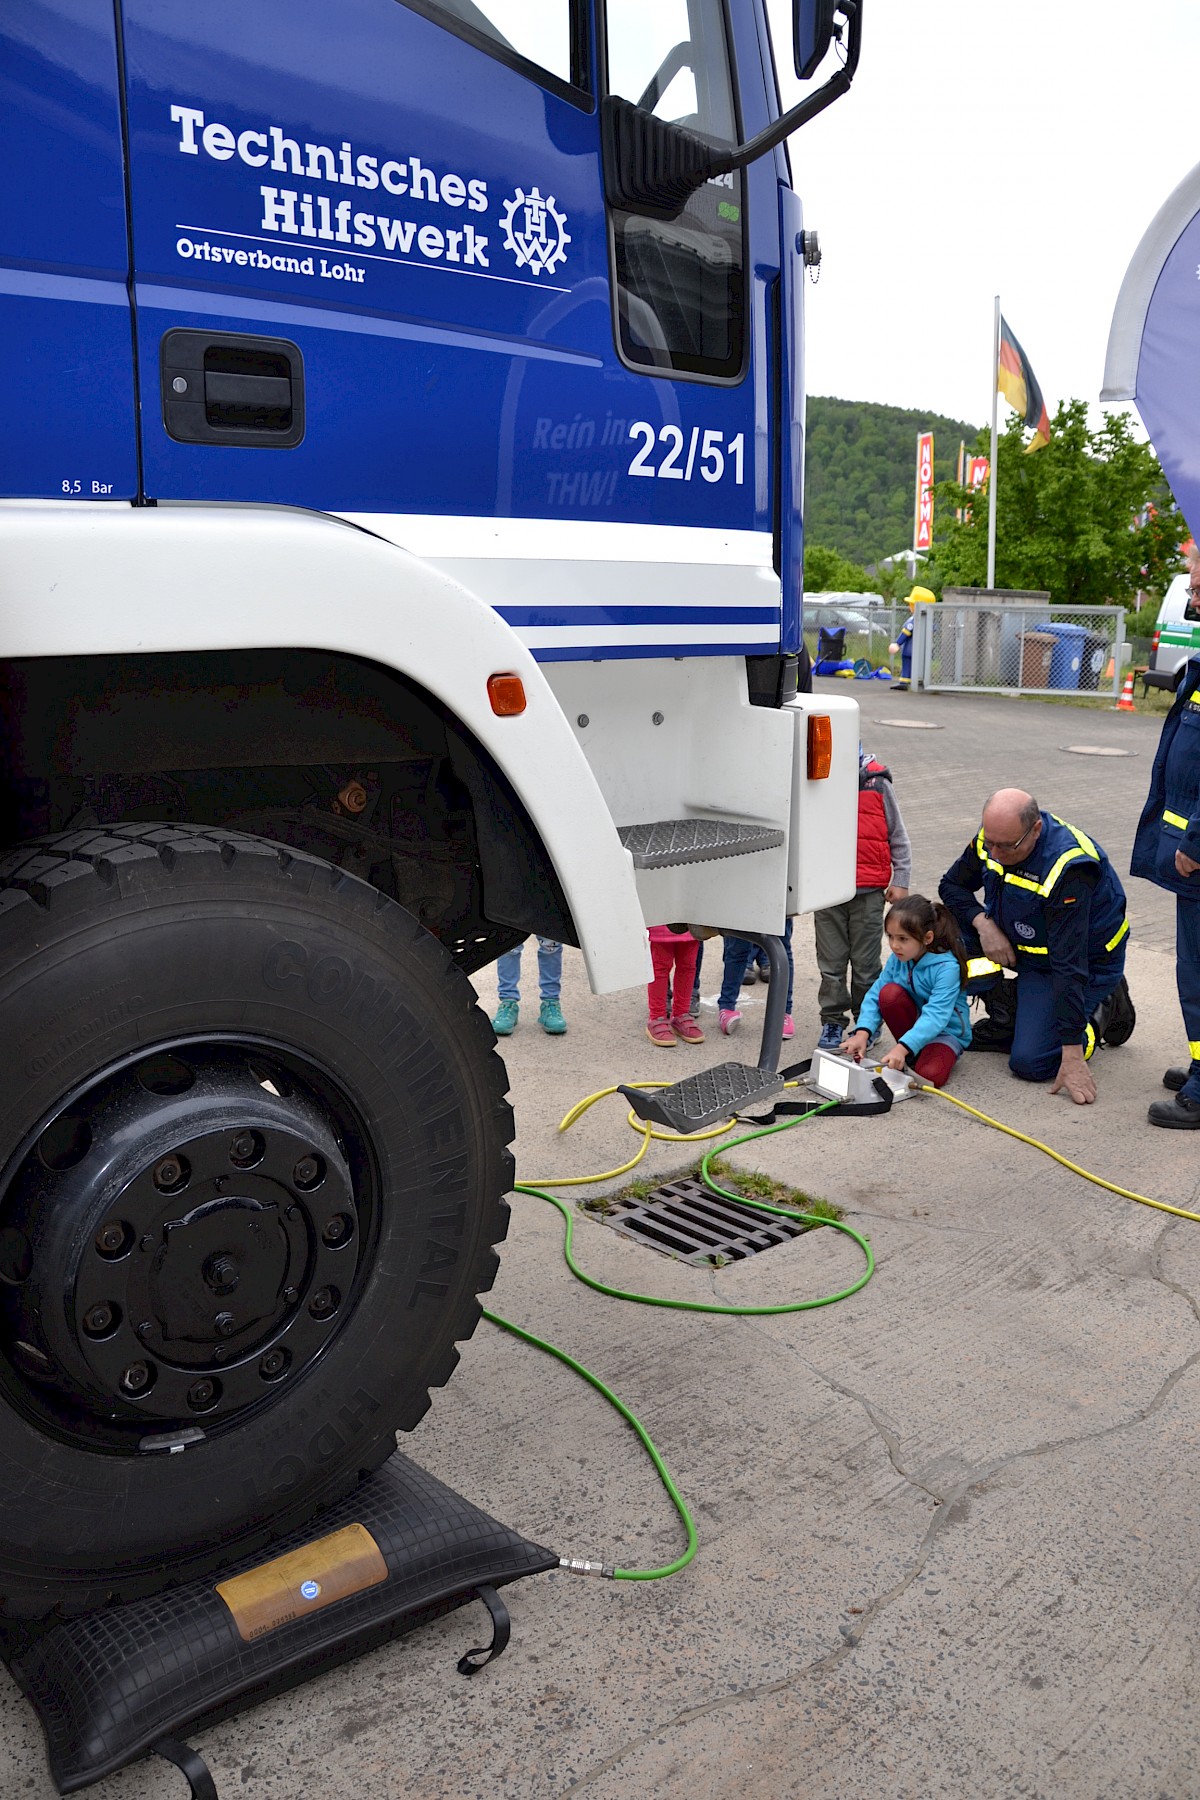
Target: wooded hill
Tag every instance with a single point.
(860, 472)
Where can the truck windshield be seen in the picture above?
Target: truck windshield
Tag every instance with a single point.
(679, 281)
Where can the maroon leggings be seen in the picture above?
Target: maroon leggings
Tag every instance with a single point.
(900, 1014)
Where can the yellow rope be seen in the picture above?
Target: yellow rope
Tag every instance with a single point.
(1180, 1212)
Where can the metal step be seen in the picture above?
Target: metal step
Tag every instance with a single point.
(706, 1098)
(671, 842)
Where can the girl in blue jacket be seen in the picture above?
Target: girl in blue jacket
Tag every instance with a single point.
(920, 993)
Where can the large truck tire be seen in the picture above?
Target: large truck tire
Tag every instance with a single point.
(254, 1142)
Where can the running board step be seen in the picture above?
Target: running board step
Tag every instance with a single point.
(704, 1099)
(672, 842)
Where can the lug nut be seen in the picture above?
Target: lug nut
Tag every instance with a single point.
(273, 1363)
(308, 1172)
(97, 1319)
(110, 1239)
(246, 1149)
(225, 1323)
(170, 1173)
(202, 1393)
(337, 1230)
(290, 1296)
(322, 1303)
(135, 1377)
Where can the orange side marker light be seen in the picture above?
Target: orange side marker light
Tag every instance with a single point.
(507, 695)
(820, 746)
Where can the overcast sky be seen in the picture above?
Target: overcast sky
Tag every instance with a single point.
(1018, 147)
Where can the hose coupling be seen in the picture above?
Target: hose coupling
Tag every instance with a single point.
(579, 1565)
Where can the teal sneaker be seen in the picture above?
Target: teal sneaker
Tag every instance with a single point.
(550, 1018)
(505, 1021)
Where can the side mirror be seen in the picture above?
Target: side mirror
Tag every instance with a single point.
(814, 27)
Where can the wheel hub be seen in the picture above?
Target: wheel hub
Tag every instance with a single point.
(187, 1234)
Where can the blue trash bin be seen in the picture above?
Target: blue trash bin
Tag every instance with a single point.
(1066, 659)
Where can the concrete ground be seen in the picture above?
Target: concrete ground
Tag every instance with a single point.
(949, 1531)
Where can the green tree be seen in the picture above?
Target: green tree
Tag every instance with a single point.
(825, 572)
(1089, 517)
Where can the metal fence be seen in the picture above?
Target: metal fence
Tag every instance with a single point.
(1021, 648)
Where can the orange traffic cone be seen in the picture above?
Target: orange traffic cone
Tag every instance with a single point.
(1108, 673)
(1125, 703)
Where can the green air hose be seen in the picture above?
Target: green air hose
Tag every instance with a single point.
(701, 1306)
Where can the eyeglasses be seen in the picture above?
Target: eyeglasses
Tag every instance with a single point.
(1007, 849)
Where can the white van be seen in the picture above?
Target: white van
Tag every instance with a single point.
(1177, 629)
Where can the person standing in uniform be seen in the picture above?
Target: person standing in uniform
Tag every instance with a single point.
(1166, 850)
(903, 646)
(1054, 910)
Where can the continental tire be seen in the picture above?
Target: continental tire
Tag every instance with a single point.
(254, 1138)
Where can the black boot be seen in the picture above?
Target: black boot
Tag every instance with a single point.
(1178, 1114)
(1115, 1016)
(996, 1031)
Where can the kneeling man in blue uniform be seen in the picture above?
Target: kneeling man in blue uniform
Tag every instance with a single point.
(1054, 910)
(1166, 850)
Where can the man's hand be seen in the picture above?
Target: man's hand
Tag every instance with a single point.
(993, 942)
(1184, 864)
(854, 1043)
(892, 894)
(1074, 1076)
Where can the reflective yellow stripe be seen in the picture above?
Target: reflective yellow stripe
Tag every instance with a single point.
(1033, 949)
(1081, 837)
(1171, 818)
(985, 859)
(1068, 856)
(1114, 941)
(978, 966)
(1089, 1041)
(1195, 1052)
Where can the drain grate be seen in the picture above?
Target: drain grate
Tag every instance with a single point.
(684, 1219)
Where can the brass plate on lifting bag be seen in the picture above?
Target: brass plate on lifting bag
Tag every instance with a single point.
(305, 1580)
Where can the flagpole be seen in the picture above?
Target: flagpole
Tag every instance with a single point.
(992, 471)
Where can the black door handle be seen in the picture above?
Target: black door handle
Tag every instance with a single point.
(235, 390)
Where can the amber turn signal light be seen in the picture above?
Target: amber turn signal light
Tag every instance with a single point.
(507, 695)
(820, 746)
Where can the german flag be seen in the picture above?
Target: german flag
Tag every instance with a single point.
(1018, 383)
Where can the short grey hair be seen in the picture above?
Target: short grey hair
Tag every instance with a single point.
(1030, 813)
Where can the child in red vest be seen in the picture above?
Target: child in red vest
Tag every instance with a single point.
(850, 936)
(673, 951)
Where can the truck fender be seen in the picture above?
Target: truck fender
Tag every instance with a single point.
(90, 579)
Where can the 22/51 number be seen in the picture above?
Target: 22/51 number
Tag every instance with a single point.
(714, 457)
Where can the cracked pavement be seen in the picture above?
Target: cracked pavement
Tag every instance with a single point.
(948, 1527)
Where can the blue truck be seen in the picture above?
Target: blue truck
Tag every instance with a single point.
(400, 553)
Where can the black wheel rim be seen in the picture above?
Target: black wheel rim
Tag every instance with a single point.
(181, 1239)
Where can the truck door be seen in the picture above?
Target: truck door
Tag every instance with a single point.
(350, 217)
(66, 351)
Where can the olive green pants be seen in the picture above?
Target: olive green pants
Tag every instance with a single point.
(849, 936)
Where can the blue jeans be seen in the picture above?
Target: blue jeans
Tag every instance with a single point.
(508, 970)
(739, 954)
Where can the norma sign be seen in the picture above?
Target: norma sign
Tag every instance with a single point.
(977, 471)
(923, 529)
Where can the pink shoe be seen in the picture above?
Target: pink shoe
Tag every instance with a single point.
(687, 1029)
(789, 1030)
(659, 1032)
(730, 1020)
